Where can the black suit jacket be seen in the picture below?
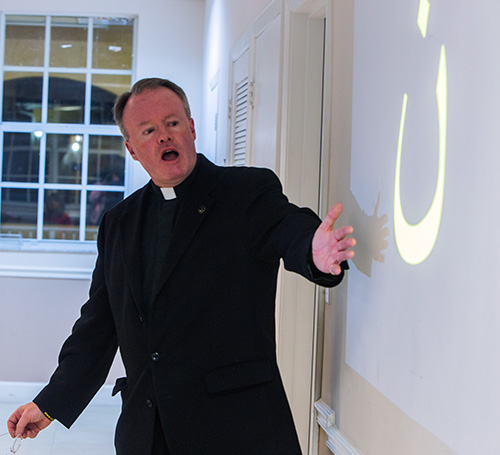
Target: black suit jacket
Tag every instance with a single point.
(202, 352)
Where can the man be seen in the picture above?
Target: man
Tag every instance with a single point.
(184, 286)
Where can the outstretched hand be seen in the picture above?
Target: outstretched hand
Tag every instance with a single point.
(330, 246)
(27, 421)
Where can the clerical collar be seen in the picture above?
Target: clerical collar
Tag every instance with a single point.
(168, 193)
(180, 189)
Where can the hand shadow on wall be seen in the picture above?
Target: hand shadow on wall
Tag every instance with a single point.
(371, 233)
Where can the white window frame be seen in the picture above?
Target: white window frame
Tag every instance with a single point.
(46, 258)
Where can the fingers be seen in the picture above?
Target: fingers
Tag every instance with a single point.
(22, 428)
(27, 421)
(332, 246)
(346, 243)
(329, 222)
(344, 256)
(331, 217)
(13, 420)
(31, 432)
(343, 232)
(335, 269)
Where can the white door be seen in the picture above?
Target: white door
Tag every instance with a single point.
(266, 99)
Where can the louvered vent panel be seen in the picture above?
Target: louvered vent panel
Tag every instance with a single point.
(240, 124)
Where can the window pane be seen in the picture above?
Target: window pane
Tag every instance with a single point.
(22, 97)
(19, 211)
(21, 155)
(106, 160)
(66, 98)
(68, 42)
(61, 215)
(112, 44)
(105, 89)
(24, 40)
(63, 162)
(99, 202)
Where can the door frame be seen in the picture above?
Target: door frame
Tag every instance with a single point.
(304, 173)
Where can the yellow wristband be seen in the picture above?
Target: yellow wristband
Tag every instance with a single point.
(48, 417)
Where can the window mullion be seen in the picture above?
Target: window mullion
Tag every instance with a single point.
(2, 53)
(2, 28)
(85, 149)
(88, 75)
(43, 140)
(40, 185)
(45, 80)
(83, 195)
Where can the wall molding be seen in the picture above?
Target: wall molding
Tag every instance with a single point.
(337, 442)
(61, 273)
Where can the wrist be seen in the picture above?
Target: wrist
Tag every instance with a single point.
(45, 413)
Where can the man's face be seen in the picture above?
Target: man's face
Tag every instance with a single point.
(161, 137)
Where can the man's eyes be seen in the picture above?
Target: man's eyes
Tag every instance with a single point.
(172, 123)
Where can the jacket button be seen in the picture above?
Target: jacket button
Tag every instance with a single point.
(155, 356)
(141, 319)
(149, 403)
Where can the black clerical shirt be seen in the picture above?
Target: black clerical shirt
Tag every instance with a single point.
(158, 227)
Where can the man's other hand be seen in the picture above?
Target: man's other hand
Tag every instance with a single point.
(27, 421)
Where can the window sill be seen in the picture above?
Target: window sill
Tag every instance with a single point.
(68, 264)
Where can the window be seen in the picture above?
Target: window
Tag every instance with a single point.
(62, 158)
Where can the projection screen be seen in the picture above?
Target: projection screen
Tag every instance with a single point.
(423, 315)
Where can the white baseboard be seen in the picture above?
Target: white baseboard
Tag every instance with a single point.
(23, 392)
(337, 442)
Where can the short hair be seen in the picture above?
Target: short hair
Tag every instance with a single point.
(139, 87)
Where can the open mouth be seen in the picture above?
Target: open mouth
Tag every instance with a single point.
(169, 155)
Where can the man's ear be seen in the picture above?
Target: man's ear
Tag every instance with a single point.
(131, 150)
(191, 125)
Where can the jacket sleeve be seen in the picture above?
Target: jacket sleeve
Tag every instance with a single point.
(87, 354)
(278, 229)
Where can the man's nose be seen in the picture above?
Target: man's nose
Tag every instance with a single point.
(164, 136)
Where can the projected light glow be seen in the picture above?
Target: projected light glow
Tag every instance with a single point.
(415, 242)
(423, 16)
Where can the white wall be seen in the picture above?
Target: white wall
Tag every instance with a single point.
(37, 314)
(225, 22)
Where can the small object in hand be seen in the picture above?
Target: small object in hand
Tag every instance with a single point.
(16, 445)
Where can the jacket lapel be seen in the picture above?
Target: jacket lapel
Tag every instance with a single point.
(131, 231)
(192, 211)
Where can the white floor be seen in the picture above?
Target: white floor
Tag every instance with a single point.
(92, 433)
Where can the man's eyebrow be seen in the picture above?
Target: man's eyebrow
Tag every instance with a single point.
(167, 117)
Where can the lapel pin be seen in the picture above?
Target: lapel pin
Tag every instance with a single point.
(201, 209)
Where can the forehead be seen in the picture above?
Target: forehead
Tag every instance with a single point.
(152, 103)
